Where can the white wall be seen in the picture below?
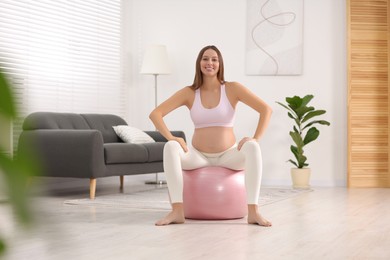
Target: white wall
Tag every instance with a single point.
(186, 26)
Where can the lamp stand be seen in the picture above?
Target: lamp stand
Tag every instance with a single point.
(156, 181)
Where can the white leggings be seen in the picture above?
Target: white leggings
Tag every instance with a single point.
(248, 158)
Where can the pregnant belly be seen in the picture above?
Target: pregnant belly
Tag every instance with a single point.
(213, 139)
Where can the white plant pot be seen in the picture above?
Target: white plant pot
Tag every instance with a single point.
(301, 178)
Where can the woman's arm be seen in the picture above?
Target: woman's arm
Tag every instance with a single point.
(247, 97)
(180, 98)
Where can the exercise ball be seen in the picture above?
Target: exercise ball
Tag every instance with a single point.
(214, 193)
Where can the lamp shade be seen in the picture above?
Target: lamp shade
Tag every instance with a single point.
(156, 61)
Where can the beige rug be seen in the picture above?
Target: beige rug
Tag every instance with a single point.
(158, 199)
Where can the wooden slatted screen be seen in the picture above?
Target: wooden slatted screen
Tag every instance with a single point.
(388, 81)
(368, 85)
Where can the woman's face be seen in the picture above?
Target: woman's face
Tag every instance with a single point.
(209, 64)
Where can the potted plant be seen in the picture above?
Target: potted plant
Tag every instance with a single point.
(303, 133)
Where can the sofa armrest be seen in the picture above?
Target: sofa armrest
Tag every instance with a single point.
(66, 153)
(157, 136)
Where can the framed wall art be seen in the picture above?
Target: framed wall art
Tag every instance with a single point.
(274, 37)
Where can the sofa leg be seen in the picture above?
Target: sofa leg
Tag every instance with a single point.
(92, 188)
(121, 180)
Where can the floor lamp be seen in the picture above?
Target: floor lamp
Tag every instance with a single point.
(155, 63)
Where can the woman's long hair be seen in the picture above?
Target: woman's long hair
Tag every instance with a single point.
(198, 80)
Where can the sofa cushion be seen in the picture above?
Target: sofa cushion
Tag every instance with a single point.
(133, 153)
(104, 124)
(155, 151)
(125, 153)
(52, 120)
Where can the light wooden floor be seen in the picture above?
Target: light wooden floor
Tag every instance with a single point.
(328, 223)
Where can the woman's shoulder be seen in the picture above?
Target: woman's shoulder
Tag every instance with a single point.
(185, 91)
(236, 90)
(233, 86)
(188, 90)
(183, 96)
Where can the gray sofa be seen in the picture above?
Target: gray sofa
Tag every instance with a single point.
(86, 146)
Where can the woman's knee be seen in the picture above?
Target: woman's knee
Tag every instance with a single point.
(172, 146)
(251, 147)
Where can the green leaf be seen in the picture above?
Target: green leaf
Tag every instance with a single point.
(311, 135)
(2, 247)
(283, 105)
(306, 99)
(298, 153)
(286, 107)
(313, 114)
(294, 102)
(291, 116)
(294, 150)
(291, 161)
(7, 106)
(297, 139)
(301, 162)
(16, 178)
(298, 122)
(321, 122)
(302, 111)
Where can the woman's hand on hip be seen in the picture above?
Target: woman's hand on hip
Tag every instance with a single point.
(243, 141)
(182, 143)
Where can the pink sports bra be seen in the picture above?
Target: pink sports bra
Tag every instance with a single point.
(221, 115)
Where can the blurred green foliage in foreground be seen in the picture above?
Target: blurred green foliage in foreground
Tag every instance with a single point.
(17, 171)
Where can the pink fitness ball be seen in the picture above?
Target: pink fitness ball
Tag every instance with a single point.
(214, 193)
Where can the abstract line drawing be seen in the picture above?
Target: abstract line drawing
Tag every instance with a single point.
(274, 37)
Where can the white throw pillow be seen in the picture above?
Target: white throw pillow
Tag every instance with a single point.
(131, 134)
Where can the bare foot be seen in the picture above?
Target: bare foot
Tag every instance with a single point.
(176, 216)
(254, 216)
